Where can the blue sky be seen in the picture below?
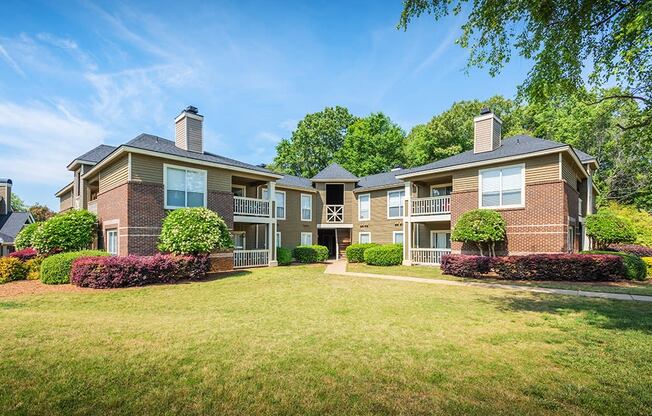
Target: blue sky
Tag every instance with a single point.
(77, 74)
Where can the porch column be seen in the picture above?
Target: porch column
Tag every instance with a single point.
(407, 225)
(589, 206)
(271, 227)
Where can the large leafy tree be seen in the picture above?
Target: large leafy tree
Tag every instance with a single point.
(612, 37)
(41, 212)
(17, 203)
(314, 142)
(372, 144)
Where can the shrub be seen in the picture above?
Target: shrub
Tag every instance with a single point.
(24, 254)
(12, 269)
(635, 268)
(480, 227)
(194, 231)
(355, 252)
(634, 249)
(648, 263)
(606, 228)
(70, 231)
(34, 268)
(641, 221)
(570, 267)
(385, 255)
(311, 254)
(283, 256)
(125, 271)
(24, 237)
(56, 269)
(465, 266)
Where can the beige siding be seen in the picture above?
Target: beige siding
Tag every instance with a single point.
(569, 172)
(483, 138)
(195, 135)
(380, 227)
(150, 169)
(113, 175)
(348, 202)
(65, 201)
(292, 227)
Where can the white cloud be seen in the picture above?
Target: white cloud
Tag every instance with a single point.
(71, 47)
(5, 55)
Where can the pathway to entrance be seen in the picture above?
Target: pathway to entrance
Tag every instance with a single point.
(339, 267)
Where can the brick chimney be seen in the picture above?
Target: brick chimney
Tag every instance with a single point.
(189, 130)
(5, 196)
(487, 131)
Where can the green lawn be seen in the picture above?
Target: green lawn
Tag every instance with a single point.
(292, 340)
(630, 287)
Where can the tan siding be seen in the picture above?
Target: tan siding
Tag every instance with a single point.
(482, 136)
(568, 171)
(114, 174)
(380, 227)
(348, 202)
(65, 201)
(465, 180)
(292, 227)
(180, 133)
(195, 135)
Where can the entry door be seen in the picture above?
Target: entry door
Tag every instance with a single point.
(440, 239)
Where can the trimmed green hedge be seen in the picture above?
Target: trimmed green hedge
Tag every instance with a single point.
(386, 255)
(283, 256)
(56, 269)
(355, 252)
(69, 231)
(311, 254)
(635, 267)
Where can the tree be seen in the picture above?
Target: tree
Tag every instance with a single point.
(17, 204)
(560, 37)
(641, 221)
(41, 212)
(372, 145)
(25, 236)
(314, 143)
(606, 228)
(70, 231)
(480, 227)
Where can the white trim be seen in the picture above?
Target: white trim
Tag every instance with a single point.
(360, 206)
(432, 232)
(301, 207)
(561, 176)
(165, 185)
(117, 240)
(243, 187)
(253, 220)
(278, 239)
(430, 218)
(333, 226)
(500, 193)
(301, 238)
(244, 240)
(189, 115)
(285, 202)
(129, 167)
(361, 233)
(394, 236)
(400, 206)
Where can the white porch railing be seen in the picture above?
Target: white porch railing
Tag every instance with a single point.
(428, 255)
(250, 258)
(431, 205)
(335, 213)
(250, 206)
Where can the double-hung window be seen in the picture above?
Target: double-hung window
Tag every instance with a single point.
(397, 237)
(280, 203)
(395, 204)
(364, 207)
(306, 239)
(184, 187)
(364, 238)
(306, 207)
(112, 242)
(502, 187)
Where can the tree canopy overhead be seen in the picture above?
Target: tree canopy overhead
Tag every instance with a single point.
(561, 37)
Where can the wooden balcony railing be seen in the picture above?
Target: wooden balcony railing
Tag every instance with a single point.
(335, 213)
(431, 205)
(250, 206)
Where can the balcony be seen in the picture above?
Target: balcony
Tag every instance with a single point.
(335, 214)
(428, 256)
(250, 258)
(431, 206)
(252, 207)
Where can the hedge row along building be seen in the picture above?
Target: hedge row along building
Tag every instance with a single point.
(542, 188)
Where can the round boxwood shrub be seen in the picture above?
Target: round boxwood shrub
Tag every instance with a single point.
(283, 256)
(606, 228)
(355, 252)
(194, 231)
(69, 231)
(12, 269)
(635, 267)
(386, 255)
(24, 238)
(56, 269)
(482, 227)
(311, 254)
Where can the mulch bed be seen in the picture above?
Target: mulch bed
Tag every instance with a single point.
(35, 287)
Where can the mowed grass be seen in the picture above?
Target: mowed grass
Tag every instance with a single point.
(629, 287)
(291, 340)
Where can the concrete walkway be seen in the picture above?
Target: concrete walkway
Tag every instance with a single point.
(339, 267)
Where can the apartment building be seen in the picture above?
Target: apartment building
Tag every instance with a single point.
(542, 188)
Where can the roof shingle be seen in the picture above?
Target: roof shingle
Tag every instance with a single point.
(334, 171)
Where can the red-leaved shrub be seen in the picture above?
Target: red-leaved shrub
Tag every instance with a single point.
(24, 254)
(124, 271)
(566, 267)
(637, 250)
(465, 266)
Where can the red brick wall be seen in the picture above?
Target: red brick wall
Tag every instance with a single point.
(112, 214)
(572, 198)
(540, 227)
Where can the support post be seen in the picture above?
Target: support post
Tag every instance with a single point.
(271, 226)
(589, 206)
(407, 225)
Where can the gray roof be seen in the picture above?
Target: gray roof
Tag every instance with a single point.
(334, 171)
(380, 179)
(11, 224)
(584, 157)
(512, 146)
(161, 145)
(295, 181)
(96, 154)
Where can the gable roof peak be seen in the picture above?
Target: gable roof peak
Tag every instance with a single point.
(334, 171)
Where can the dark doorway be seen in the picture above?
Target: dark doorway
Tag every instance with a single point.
(327, 238)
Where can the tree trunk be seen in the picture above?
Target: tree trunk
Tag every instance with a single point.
(480, 247)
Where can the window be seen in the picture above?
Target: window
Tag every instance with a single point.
(280, 203)
(306, 239)
(364, 238)
(440, 239)
(184, 187)
(239, 190)
(278, 239)
(364, 207)
(571, 239)
(395, 204)
(112, 242)
(398, 237)
(306, 207)
(441, 190)
(239, 240)
(502, 187)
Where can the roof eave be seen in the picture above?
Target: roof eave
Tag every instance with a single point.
(335, 180)
(378, 188)
(64, 189)
(295, 188)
